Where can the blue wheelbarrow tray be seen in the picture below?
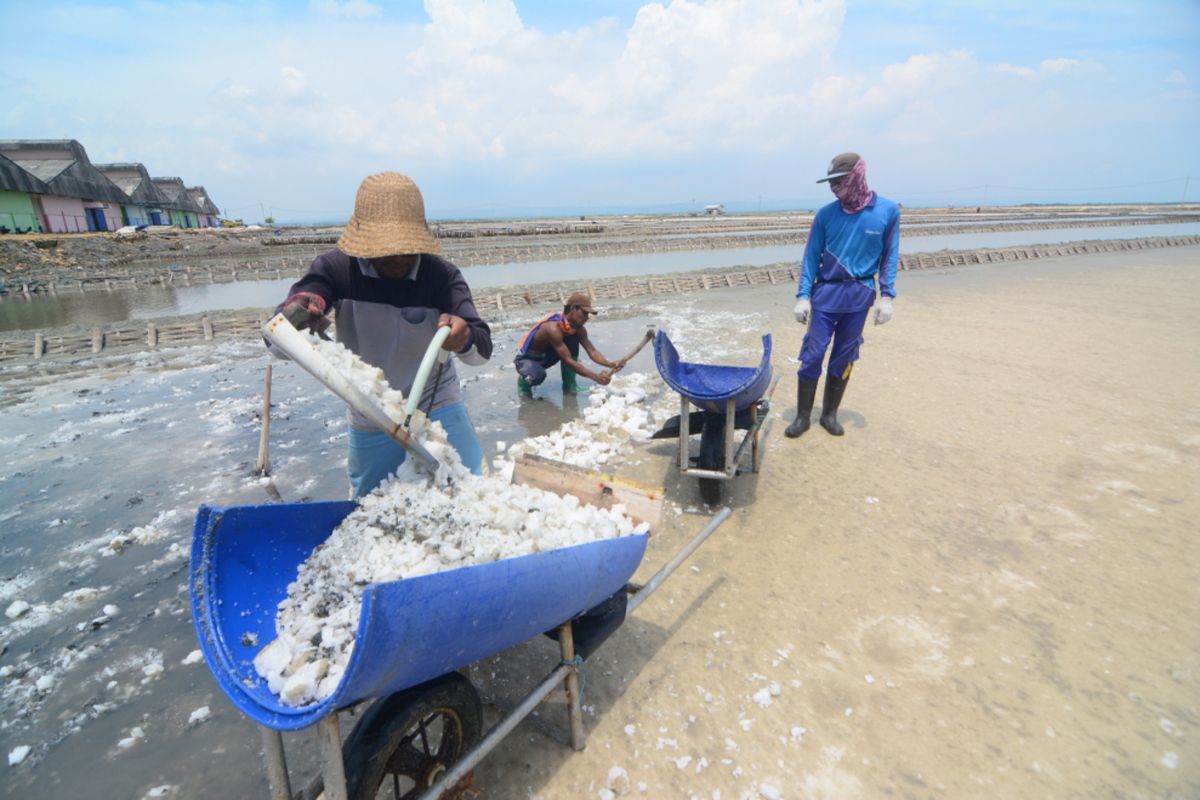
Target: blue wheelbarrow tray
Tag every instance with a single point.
(710, 386)
(409, 631)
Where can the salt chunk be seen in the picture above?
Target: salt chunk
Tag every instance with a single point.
(199, 715)
(111, 610)
(769, 792)
(45, 684)
(17, 754)
(763, 697)
(617, 780)
(798, 732)
(630, 730)
(870, 678)
(16, 610)
(301, 686)
(1170, 759)
(193, 657)
(682, 762)
(160, 791)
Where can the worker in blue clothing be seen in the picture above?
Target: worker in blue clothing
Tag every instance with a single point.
(853, 241)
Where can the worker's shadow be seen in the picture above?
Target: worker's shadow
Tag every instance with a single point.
(504, 680)
(691, 491)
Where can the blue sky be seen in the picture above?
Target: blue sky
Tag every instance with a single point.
(499, 107)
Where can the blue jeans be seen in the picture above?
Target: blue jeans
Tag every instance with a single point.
(845, 329)
(374, 455)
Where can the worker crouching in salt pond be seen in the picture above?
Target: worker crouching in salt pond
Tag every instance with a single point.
(556, 339)
(392, 292)
(852, 240)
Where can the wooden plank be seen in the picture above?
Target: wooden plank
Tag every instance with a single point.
(643, 503)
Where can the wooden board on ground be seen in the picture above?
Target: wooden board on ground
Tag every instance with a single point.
(643, 502)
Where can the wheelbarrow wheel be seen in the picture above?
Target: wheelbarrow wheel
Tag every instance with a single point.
(407, 741)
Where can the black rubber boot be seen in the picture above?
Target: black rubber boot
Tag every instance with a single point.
(805, 392)
(834, 389)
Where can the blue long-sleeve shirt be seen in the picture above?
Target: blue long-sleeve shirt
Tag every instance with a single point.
(846, 251)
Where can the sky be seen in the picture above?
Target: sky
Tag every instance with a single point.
(515, 108)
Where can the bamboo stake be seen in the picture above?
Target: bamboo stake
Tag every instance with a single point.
(262, 466)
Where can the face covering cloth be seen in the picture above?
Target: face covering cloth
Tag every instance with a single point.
(852, 191)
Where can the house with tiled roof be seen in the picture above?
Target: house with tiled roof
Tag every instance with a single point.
(148, 206)
(79, 196)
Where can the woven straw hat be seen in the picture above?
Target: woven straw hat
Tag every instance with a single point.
(388, 219)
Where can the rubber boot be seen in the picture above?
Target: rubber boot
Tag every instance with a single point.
(523, 387)
(834, 389)
(805, 392)
(570, 380)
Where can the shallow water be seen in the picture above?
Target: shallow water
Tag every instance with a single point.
(100, 307)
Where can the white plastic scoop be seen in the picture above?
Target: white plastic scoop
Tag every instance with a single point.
(296, 346)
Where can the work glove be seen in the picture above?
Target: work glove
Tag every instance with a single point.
(802, 310)
(306, 310)
(883, 311)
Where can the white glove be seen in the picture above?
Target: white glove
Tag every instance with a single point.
(883, 311)
(802, 310)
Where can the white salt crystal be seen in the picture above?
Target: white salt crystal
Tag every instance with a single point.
(17, 609)
(617, 780)
(682, 762)
(630, 730)
(199, 715)
(111, 610)
(45, 684)
(763, 697)
(17, 754)
(1170, 759)
(193, 657)
(769, 792)
(160, 791)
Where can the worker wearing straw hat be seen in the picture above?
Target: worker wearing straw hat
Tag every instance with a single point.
(556, 339)
(392, 291)
(854, 240)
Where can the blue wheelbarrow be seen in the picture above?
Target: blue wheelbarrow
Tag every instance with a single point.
(730, 398)
(422, 736)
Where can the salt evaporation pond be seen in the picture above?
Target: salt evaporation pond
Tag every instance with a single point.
(102, 475)
(97, 308)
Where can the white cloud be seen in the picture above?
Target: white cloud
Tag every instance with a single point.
(921, 74)
(1059, 66)
(350, 8)
(292, 81)
(1177, 78)
(1023, 72)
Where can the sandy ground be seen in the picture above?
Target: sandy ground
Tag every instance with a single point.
(986, 588)
(982, 590)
